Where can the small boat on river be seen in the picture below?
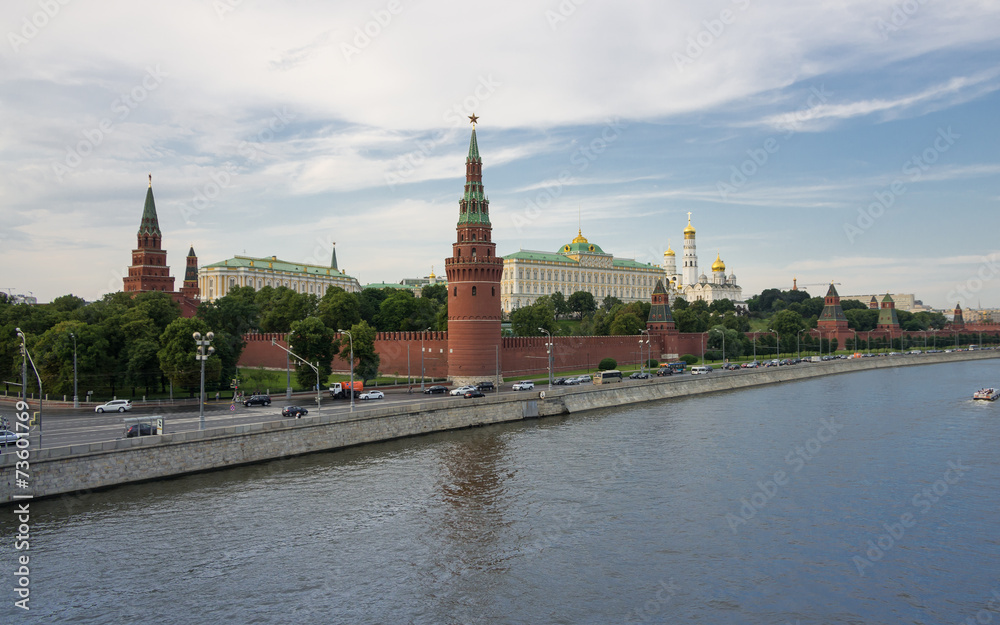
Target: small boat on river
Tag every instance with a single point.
(988, 394)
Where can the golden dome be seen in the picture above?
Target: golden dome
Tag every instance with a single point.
(580, 238)
(718, 265)
(689, 231)
(669, 252)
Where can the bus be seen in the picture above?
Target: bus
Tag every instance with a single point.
(608, 377)
(677, 367)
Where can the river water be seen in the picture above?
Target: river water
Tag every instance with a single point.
(752, 506)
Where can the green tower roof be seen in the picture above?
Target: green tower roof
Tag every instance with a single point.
(149, 223)
(473, 147)
(660, 313)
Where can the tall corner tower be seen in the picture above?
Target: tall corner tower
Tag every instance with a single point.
(959, 320)
(149, 270)
(887, 318)
(190, 288)
(832, 318)
(690, 255)
(473, 272)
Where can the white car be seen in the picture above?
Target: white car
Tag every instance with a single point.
(116, 405)
(462, 390)
(523, 386)
(7, 437)
(372, 395)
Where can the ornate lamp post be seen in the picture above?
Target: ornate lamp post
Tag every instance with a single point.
(548, 352)
(798, 346)
(24, 379)
(204, 351)
(422, 332)
(642, 364)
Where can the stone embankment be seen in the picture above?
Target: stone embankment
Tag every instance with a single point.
(92, 466)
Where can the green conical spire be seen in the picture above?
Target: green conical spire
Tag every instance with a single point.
(149, 224)
(333, 258)
(473, 147)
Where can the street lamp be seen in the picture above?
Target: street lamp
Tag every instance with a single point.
(798, 346)
(204, 351)
(76, 398)
(319, 397)
(351, 338)
(421, 359)
(548, 352)
(24, 380)
(777, 345)
(288, 369)
(642, 364)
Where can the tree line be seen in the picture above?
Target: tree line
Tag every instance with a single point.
(138, 344)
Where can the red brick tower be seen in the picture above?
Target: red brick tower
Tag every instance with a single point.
(959, 319)
(190, 289)
(149, 270)
(473, 282)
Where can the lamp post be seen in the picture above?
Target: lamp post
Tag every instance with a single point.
(204, 351)
(288, 370)
(351, 338)
(820, 347)
(855, 340)
(548, 352)
(642, 365)
(76, 398)
(421, 359)
(314, 367)
(24, 379)
(777, 345)
(798, 346)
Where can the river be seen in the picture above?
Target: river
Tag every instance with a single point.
(868, 497)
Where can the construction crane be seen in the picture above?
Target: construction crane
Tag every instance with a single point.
(795, 285)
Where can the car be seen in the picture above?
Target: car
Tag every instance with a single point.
(485, 386)
(640, 376)
(583, 379)
(559, 381)
(462, 390)
(115, 405)
(140, 429)
(434, 390)
(731, 366)
(474, 393)
(7, 437)
(571, 382)
(526, 385)
(664, 371)
(372, 395)
(294, 411)
(257, 400)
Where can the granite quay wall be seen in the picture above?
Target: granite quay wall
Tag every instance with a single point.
(100, 465)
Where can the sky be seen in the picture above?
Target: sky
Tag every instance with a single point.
(852, 141)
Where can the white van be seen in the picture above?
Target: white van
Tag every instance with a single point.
(701, 369)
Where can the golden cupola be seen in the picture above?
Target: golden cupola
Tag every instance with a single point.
(718, 265)
(689, 231)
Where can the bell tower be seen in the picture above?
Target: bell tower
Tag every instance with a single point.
(473, 281)
(149, 270)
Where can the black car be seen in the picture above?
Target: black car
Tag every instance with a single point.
(140, 429)
(294, 411)
(558, 381)
(475, 393)
(664, 371)
(257, 400)
(485, 386)
(434, 390)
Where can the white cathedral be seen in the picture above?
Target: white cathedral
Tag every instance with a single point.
(691, 285)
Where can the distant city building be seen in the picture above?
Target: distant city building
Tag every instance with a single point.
(577, 266)
(903, 301)
(20, 298)
(149, 270)
(217, 279)
(416, 284)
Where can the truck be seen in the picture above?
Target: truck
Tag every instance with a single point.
(341, 390)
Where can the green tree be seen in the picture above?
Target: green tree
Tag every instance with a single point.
(395, 311)
(436, 292)
(339, 309)
(559, 304)
(177, 354)
(370, 301)
(722, 306)
(582, 303)
(626, 323)
(312, 341)
(527, 320)
(610, 302)
(607, 364)
(367, 361)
